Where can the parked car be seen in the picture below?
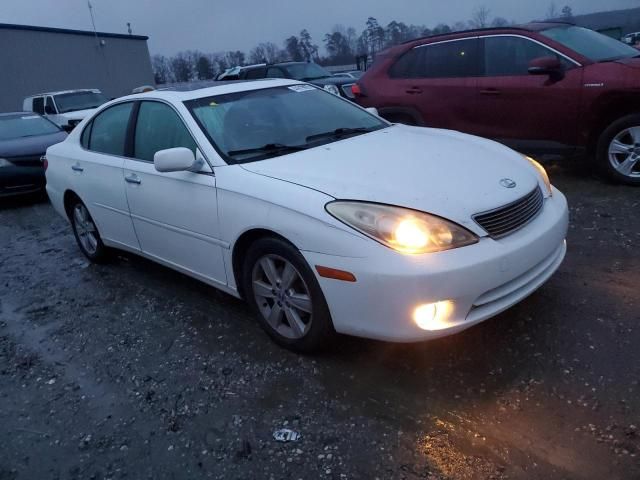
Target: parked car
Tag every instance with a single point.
(66, 108)
(24, 138)
(323, 216)
(234, 73)
(303, 71)
(544, 87)
(355, 74)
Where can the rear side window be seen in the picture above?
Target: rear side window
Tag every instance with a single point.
(441, 60)
(255, 73)
(49, 108)
(159, 127)
(510, 56)
(38, 105)
(108, 132)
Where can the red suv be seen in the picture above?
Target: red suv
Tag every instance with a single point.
(543, 88)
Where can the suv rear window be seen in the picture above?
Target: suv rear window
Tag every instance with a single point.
(454, 59)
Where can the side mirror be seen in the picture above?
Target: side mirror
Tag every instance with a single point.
(177, 159)
(373, 111)
(551, 66)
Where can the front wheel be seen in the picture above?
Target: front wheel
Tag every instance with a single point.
(618, 151)
(86, 233)
(285, 294)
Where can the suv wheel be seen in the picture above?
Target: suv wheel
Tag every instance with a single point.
(285, 294)
(86, 233)
(618, 151)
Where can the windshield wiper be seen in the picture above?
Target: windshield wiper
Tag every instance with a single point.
(340, 133)
(269, 148)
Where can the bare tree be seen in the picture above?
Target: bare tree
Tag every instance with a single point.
(552, 11)
(480, 18)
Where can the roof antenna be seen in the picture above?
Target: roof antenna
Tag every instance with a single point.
(93, 22)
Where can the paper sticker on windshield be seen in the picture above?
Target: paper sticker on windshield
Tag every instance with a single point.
(301, 88)
(30, 117)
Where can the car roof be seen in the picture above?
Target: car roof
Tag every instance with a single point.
(59, 92)
(184, 93)
(528, 27)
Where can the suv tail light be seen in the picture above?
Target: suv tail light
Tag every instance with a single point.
(357, 91)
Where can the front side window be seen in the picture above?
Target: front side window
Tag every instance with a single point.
(274, 72)
(509, 56)
(259, 124)
(255, 74)
(588, 43)
(455, 59)
(38, 105)
(109, 130)
(159, 127)
(49, 107)
(71, 102)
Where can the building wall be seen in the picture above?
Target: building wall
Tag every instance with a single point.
(38, 61)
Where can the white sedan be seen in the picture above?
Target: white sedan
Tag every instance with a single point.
(323, 216)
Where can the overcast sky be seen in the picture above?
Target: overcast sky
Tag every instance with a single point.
(220, 25)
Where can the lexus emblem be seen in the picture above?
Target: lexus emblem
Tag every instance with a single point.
(508, 183)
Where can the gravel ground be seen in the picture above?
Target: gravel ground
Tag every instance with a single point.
(129, 370)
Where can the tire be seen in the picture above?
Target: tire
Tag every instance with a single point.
(401, 118)
(300, 318)
(86, 232)
(623, 137)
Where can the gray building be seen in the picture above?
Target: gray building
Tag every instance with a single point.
(40, 59)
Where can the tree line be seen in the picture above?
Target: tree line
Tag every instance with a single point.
(341, 44)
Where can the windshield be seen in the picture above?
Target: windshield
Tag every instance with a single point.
(70, 102)
(306, 71)
(593, 45)
(18, 126)
(259, 124)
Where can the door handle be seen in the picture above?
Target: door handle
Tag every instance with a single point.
(132, 179)
(77, 168)
(414, 90)
(490, 91)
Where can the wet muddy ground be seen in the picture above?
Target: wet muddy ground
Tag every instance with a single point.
(129, 370)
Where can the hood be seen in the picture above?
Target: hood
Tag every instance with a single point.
(442, 172)
(78, 114)
(30, 146)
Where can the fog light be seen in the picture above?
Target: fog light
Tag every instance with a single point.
(432, 316)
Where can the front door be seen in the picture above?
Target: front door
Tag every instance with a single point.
(521, 109)
(174, 214)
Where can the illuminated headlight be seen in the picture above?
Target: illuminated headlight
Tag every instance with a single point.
(332, 89)
(404, 230)
(5, 163)
(543, 175)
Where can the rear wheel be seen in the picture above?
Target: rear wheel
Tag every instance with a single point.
(86, 232)
(285, 294)
(618, 151)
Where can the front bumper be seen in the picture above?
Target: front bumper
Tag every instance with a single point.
(479, 281)
(21, 180)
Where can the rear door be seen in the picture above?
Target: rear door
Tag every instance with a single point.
(521, 109)
(174, 214)
(439, 80)
(96, 170)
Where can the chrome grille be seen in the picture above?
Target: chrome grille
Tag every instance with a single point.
(505, 220)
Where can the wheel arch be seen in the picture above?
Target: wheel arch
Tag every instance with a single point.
(609, 109)
(67, 200)
(242, 245)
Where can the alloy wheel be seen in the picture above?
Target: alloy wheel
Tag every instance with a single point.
(86, 229)
(624, 152)
(282, 296)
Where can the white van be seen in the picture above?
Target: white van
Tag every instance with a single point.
(66, 108)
